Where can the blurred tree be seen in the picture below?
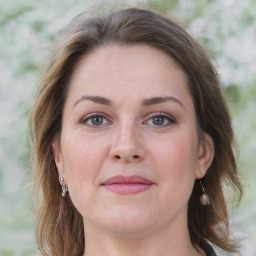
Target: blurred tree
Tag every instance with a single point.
(28, 28)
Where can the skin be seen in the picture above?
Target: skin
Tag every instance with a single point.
(158, 141)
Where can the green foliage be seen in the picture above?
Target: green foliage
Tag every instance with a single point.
(163, 5)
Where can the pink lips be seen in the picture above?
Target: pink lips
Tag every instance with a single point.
(127, 185)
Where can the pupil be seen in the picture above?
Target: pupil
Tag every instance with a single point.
(97, 120)
(158, 120)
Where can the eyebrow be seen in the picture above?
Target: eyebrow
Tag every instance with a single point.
(145, 102)
(95, 99)
(158, 100)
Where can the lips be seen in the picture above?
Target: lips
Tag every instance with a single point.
(127, 185)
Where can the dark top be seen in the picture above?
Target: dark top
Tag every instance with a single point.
(207, 249)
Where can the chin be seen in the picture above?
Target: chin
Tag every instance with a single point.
(128, 221)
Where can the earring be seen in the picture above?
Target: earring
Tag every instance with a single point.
(64, 187)
(204, 198)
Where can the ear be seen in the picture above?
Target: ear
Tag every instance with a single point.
(58, 158)
(205, 155)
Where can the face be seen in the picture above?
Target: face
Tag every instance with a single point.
(129, 150)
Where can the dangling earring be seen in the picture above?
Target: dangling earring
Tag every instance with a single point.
(204, 198)
(64, 187)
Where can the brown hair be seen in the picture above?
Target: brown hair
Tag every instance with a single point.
(60, 226)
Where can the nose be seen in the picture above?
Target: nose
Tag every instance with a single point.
(127, 146)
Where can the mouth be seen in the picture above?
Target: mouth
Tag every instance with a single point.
(127, 185)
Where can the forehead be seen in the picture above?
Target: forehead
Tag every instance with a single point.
(131, 71)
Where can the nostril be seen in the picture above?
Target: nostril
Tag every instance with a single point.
(117, 157)
(135, 156)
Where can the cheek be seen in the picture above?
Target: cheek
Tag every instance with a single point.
(82, 159)
(175, 160)
(177, 151)
(177, 167)
(82, 164)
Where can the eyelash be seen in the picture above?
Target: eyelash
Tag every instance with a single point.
(90, 117)
(167, 117)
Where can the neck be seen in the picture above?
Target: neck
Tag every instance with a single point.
(162, 243)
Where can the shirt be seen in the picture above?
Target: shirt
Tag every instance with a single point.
(207, 249)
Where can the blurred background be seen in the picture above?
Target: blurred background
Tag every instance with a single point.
(226, 28)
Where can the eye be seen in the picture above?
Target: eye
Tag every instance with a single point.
(95, 120)
(159, 120)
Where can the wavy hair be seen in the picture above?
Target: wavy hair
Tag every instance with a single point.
(59, 225)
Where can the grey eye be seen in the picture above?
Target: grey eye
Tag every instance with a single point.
(97, 120)
(158, 120)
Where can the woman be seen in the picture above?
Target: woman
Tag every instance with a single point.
(131, 128)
